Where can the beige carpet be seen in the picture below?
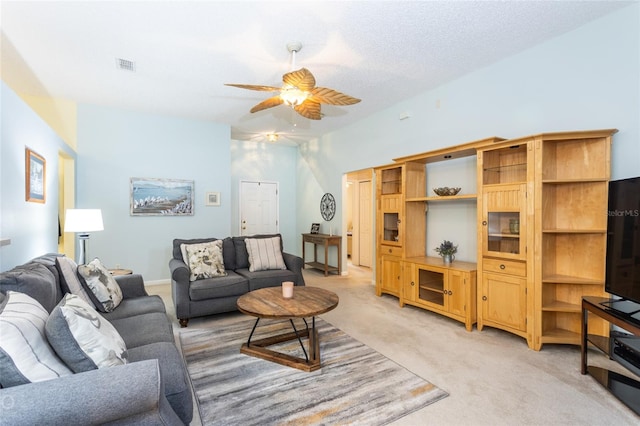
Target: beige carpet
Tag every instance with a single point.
(491, 376)
(356, 385)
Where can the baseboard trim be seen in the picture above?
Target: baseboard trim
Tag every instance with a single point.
(157, 282)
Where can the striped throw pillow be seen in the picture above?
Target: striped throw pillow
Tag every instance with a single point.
(25, 354)
(264, 254)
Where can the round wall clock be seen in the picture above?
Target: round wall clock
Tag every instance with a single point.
(328, 206)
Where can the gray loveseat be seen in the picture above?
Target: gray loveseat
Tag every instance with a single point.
(219, 294)
(152, 388)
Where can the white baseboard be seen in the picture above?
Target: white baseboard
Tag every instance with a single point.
(158, 282)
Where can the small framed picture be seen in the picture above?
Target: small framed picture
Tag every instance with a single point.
(213, 199)
(315, 228)
(35, 176)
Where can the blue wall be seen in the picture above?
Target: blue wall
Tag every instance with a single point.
(31, 227)
(115, 145)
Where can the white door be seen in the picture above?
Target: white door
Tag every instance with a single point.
(258, 208)
(365, 244)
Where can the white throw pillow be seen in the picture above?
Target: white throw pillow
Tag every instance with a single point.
(204, 259)
(264, 254)
(25, 354)
(69, 272)
(102, 284)
(82, 337)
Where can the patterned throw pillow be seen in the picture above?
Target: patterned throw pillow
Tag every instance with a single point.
(82, 337)
(25, 354)
(204, 260)
(102, 284)
(69, 273)
(264, 254)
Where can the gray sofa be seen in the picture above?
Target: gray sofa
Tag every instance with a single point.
(153, 388)
(219, 294)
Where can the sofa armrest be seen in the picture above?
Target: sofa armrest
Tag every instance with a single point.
(294, 264)
(131, 285)
(131, 393)
(180, 288)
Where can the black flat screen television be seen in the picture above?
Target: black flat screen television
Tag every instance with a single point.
(623, 245)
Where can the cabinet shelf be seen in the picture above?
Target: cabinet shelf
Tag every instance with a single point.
(558, 306)
(506, 168)
(504, 235)
(447, 198)
(574, 231)
(569, 279)
(431, 288)
(560, 335)
(568, 181)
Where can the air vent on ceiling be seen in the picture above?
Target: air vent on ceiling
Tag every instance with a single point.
(125, 65)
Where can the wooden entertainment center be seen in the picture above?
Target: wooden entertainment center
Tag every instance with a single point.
(541, 235)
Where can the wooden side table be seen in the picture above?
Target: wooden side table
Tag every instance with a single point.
(324, 240)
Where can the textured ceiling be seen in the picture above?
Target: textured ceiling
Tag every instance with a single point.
(379, 51)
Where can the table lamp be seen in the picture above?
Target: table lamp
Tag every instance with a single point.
(83, 221)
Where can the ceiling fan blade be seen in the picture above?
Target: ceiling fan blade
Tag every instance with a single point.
(255, 87)
(332, 97)
(269, 103)
(302, 79)
(309, 109)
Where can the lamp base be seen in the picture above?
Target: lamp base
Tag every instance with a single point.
(82, 242)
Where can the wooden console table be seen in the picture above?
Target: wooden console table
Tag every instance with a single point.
(626, 389)
(326, 241)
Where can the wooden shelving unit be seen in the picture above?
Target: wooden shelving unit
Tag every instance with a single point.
(571, 192)
(541, 232)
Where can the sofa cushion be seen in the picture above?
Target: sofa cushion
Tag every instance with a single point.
(102, 285)
(143, 329)
(242, 256)
(204, 259)
(231, 285)
(136, 306)
(82, 338)
(271, 278)
(34, 279)
(25, 353)
(69, 280)
(228, 250)
(173, 373)
(264, 254)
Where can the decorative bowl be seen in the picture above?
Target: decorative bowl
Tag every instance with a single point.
(445, 191)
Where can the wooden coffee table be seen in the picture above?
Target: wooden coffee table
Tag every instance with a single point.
(269, 303)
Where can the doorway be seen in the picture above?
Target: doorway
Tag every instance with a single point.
(66, 200)
(259, 208)
(359, 218)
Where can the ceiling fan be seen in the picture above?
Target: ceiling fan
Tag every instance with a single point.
(299, 91)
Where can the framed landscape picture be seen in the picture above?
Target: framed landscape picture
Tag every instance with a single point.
(161, 197)
(35, 176)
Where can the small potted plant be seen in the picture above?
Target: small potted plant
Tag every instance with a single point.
(447, 250)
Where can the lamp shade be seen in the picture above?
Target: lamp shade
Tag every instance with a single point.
(83, 220)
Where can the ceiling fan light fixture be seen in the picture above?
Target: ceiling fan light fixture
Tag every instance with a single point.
(272, 137)
(293, 96)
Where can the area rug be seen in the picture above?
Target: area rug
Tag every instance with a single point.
(356, 384)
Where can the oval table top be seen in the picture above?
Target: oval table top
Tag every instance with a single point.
(269, 303)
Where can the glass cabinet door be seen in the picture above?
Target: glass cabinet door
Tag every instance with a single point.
(391, 227)
(503, 235)
(431, 286)
(504, 221)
